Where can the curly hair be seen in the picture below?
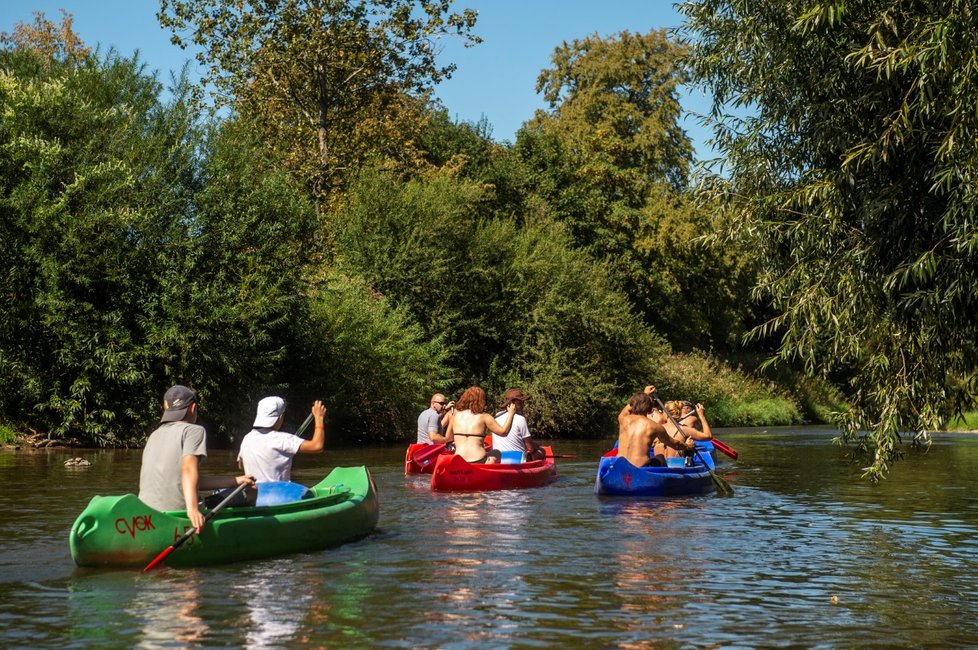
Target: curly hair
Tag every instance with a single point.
(473, 399)
(675, 408)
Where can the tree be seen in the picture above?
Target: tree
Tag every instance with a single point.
(511, 305)
(852, 164)
(329, 80)
(615, 101)
(610, 160)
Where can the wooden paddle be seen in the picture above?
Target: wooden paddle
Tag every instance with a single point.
(190, 533)
(729, 451)
(723, 488)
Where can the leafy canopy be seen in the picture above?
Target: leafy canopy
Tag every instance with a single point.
(328, 80)
(851, 141)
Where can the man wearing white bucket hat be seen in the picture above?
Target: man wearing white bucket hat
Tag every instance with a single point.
(266, 452)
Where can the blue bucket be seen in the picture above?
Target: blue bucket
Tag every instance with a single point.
(273, 493)
(511, 457)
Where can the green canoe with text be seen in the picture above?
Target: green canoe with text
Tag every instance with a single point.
(122, 531)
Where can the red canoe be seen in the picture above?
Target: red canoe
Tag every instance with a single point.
(420, 457)
(455, 474)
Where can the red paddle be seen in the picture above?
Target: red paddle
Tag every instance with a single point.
(187, 535)
(732, 453)
(428, 454)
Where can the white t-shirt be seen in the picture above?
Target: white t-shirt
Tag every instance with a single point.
(267, 455)
(514, 441)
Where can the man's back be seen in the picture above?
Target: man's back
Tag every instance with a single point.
(636, 434)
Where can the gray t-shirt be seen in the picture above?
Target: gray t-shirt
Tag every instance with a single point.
(159, 477)
(428, 421)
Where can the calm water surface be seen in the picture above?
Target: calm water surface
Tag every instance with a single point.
(804, 554)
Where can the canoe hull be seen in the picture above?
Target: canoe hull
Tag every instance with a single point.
(427, 465)
(122, 531)
(618, 477)
(454, 474)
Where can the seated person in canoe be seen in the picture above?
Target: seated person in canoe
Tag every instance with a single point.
(519, 438)
(267, 452)
(686, 430)
(695, 417)
(433, 420)
(169, 477)
(637, 433)
(469, 424)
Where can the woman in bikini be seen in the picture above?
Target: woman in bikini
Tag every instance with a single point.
(469, 423)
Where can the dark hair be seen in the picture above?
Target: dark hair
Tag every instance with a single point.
(641, 404)
(473, 399)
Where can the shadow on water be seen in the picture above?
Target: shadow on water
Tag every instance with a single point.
(803, 554)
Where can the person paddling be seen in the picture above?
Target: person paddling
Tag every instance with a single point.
(637, 433)
(267, 452)
(169, 477)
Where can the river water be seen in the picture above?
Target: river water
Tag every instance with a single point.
(804, 554)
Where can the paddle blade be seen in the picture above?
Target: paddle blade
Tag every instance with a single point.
(729, 451)
(722, 487)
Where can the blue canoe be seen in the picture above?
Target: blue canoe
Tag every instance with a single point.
(618, 477)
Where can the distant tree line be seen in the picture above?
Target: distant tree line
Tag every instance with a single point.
(333, 235)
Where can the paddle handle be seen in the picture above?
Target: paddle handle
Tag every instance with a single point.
(187, 535)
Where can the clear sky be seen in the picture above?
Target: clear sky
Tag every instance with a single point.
(496, 79)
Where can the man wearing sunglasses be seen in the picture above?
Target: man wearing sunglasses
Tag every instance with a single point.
(433, 420)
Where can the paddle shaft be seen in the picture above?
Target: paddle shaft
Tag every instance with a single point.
(305, 425)
(190, 533)
(721, 485)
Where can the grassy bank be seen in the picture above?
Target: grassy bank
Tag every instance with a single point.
(744, 396)
(968, 423)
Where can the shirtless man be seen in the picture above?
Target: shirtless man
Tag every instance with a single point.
(637, 433)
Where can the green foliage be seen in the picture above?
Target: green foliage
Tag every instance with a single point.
(852, 180)
(8, 435)
(964, 422)
(326, 79)
(731, 396)
(514, 306)
(128, 262)
(368, 360)
(89, 171)
(609, 161)
(232, 292)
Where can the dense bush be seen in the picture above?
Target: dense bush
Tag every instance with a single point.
(731, 397)
(514, 306)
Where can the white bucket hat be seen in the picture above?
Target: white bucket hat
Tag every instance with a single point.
(269, 411)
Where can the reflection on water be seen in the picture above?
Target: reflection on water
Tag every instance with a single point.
(167, 611)
(804, 555)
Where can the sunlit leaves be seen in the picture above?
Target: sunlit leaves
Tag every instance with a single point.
(852, 179)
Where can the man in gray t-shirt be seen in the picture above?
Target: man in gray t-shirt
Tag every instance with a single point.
(433, 420)
(171, 459)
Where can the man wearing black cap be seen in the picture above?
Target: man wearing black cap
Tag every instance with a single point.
(170, 474)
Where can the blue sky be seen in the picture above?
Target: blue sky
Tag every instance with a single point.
(496, 79)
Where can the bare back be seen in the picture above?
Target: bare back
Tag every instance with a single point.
(636, 435)
(469, 431)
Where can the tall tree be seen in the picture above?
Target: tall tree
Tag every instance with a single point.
(611, 160)
(852, 165)
(329, 80)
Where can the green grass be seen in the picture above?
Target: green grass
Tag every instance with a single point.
(7, 435)
(968, 423)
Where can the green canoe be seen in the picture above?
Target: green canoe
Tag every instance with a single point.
(122, 531)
